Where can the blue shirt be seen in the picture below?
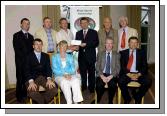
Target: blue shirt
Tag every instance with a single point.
(50, 40)
(58, 68)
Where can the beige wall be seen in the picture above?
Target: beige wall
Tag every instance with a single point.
(115, 12)
(13, 15)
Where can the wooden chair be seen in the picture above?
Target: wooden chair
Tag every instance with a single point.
(130, 84)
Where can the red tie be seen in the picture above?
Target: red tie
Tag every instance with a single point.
(123, 39)
(130, 61)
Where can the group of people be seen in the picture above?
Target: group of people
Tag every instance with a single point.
(48, 61)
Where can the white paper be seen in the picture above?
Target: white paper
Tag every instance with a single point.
(76, 42)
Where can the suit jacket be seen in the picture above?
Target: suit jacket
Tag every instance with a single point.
(141, 62)
(92, 41)
(33, 68)
(41, 34)
(22, 47)
(57, 68)
(115, 63)
(130, 32)
(102, 36)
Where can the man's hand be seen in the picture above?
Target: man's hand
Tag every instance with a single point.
(105, 80)
(73, 48)
(32, 86)
(50, 84)
(133, 76)
(83, 45)
(109, 78)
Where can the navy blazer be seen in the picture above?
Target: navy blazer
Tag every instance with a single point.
(141, 62)
(33, 68)
(92, 41)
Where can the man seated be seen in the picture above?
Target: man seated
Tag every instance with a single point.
(108, 66)
(38, 73)
(133, 68)
(64, 70)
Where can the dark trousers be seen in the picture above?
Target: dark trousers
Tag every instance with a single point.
(112, 86)
(41, 97)
(145, 85)
(85, 68)
(21, 91)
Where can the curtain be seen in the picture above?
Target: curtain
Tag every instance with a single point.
(104, 11)
(134, 17)
(52, 11)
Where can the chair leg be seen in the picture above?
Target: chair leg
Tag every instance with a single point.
(142, 101)
(119, 95)
(59, 95)
(54, 99)
(30, 100)
(95, 97)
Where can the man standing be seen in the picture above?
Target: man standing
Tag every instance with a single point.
(133, 68)
(87, 54)
(108, 66)
(38, 73)
(107, 31)
(124, 33)
(47, 35)
(22, 44)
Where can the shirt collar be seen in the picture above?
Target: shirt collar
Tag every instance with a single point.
(85, 30)
(126, 28)
(47, 30)
(107, 52)
(37, 52)
(24, 31)
(130, 50)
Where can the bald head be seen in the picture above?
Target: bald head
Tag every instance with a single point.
(107, 23)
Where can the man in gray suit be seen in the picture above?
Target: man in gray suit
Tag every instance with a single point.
(108, 67)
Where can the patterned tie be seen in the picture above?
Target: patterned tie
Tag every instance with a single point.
(84, 34)
(26, 34)
(123, 39)
(107, 71)
(130, 61)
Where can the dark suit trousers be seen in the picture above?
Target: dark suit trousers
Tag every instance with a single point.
(85, 68)
(145, 85)
(21, 91)
(112, 86)
(42, 97)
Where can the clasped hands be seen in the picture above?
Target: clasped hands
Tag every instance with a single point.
(33, 86)
(134, 76)
(67, 76)
(106, 79)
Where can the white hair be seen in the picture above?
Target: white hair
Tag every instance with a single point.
(123, 18)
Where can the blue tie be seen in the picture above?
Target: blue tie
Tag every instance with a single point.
(108, 64)
(38, 57)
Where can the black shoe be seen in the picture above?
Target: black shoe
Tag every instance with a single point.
(138, 101)
(93, 102)
(127, 101)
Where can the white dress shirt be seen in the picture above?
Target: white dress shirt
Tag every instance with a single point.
(63, 35)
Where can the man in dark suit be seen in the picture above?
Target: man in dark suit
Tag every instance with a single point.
(38, 73)
(108, 66)
(133, 68)
(22, 44)
(87, 54)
